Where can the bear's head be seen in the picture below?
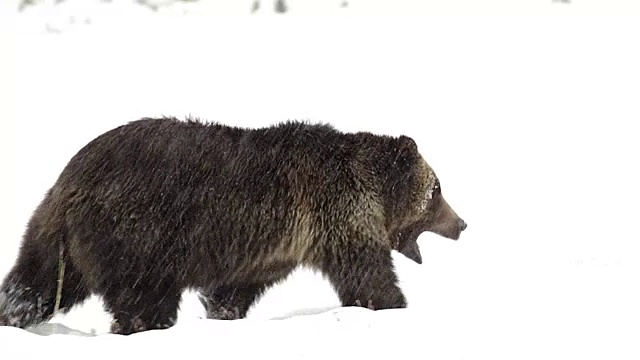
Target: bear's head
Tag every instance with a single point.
(414, 201)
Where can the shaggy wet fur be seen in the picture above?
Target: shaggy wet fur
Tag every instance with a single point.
(157, 206)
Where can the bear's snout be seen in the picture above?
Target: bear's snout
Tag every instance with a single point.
(446, 222)
(462, 224)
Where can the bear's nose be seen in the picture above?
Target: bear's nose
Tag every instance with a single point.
(463, 224)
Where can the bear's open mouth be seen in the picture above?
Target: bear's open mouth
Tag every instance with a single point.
(412, 251)
(450, 231)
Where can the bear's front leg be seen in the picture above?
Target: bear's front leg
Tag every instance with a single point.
(230, 302)
(145, 304)
(364, 276)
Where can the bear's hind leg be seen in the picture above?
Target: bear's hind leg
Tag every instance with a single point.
(364, 277)
(28, 292)
(142, 305)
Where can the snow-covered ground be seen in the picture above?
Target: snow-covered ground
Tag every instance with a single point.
(528, 121)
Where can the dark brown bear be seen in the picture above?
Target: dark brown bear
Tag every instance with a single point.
(158, 206)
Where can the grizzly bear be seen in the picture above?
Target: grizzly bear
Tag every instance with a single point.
(158, 206)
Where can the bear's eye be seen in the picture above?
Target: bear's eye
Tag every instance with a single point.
(429, 194)
(434, 190)
(436, 187)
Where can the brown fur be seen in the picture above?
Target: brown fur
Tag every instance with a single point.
(158, 206)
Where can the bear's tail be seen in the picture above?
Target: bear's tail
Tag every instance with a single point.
(29, 291)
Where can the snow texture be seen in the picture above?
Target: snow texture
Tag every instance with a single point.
(529, 122)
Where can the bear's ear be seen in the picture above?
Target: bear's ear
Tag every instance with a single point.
(406, 150)
(407, 144)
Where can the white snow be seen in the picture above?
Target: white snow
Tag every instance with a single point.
(529, 122)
